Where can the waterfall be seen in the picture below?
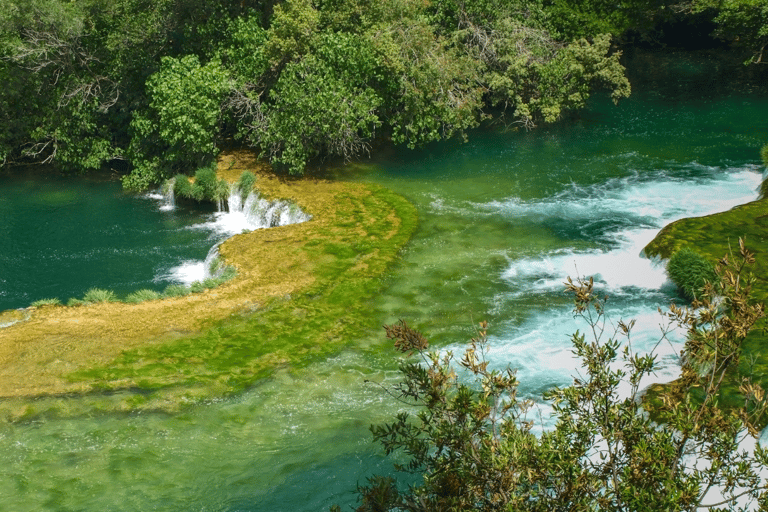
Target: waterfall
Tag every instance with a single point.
(239, 216)
(213, 266)
(255, 212)
(169, 197)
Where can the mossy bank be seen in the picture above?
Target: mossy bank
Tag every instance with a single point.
(301, 292)
(717, 235)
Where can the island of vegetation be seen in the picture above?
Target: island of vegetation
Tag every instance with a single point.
(300, 292)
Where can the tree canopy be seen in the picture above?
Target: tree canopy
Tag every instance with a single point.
(163, 84)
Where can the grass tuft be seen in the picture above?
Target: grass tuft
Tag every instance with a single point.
(245, 184)
(46, 302)
(96, 295)
(176, 290)
(142, 295)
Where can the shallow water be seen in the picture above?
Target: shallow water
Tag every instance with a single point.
(504, 219)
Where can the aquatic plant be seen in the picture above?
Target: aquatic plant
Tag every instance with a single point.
(690, 271)
(142, 295)
(176, 290)
(182, 187)
(210, 186)
(95, 295)
(46, 302)
(205, 187)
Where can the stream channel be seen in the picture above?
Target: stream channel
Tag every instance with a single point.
(504, 219)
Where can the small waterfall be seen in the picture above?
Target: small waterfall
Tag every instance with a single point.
(213, 266)
(239, 216)
(255, 212)
(169, 197)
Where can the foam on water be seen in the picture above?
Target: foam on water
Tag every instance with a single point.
(623, 216)
(540, 347)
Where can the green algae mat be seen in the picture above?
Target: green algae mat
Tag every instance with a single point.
(301, 292)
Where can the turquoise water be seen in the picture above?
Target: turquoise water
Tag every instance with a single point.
(62, 236)
(504, 219)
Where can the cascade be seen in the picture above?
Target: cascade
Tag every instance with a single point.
(168, 195)
(239, 216)
(257, 212)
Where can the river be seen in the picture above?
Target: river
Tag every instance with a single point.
(504, 219)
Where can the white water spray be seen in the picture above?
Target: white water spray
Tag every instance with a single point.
(239, 216)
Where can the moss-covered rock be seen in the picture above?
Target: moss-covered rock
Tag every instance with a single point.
(715, 236)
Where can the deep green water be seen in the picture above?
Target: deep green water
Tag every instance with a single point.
(61, 236)
(503, 220)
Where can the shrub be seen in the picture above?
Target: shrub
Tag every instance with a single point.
(210, 186)
(182, 187)
(690, 271)
(46, 302)
(206, 186)
(764, 155)
(472, 439)
(141, 296)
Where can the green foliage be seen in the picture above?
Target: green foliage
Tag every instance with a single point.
(245, 184)
(141, 296)
(317, 111)
(183, 187)
(176, 290)
(690, 272)
(205, 187)
(179, 128)
(46, 302)
(243, 50)
(160, 83)
(471, 437)
(764, 155)
(741, 22)
(96, 295)
(291, 31)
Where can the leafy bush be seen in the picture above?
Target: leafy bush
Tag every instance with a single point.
(141, 296)
(95, 295)
(46, 302)
(182, 187)
(471, 437)
(205, 187)
(690, 271)
(764, 155)
(210, 186)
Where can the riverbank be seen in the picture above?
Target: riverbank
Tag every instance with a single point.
(717, 235)
(300, 292)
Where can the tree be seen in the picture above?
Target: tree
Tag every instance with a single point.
(177, 133)
(741, 22)
(472, 440)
